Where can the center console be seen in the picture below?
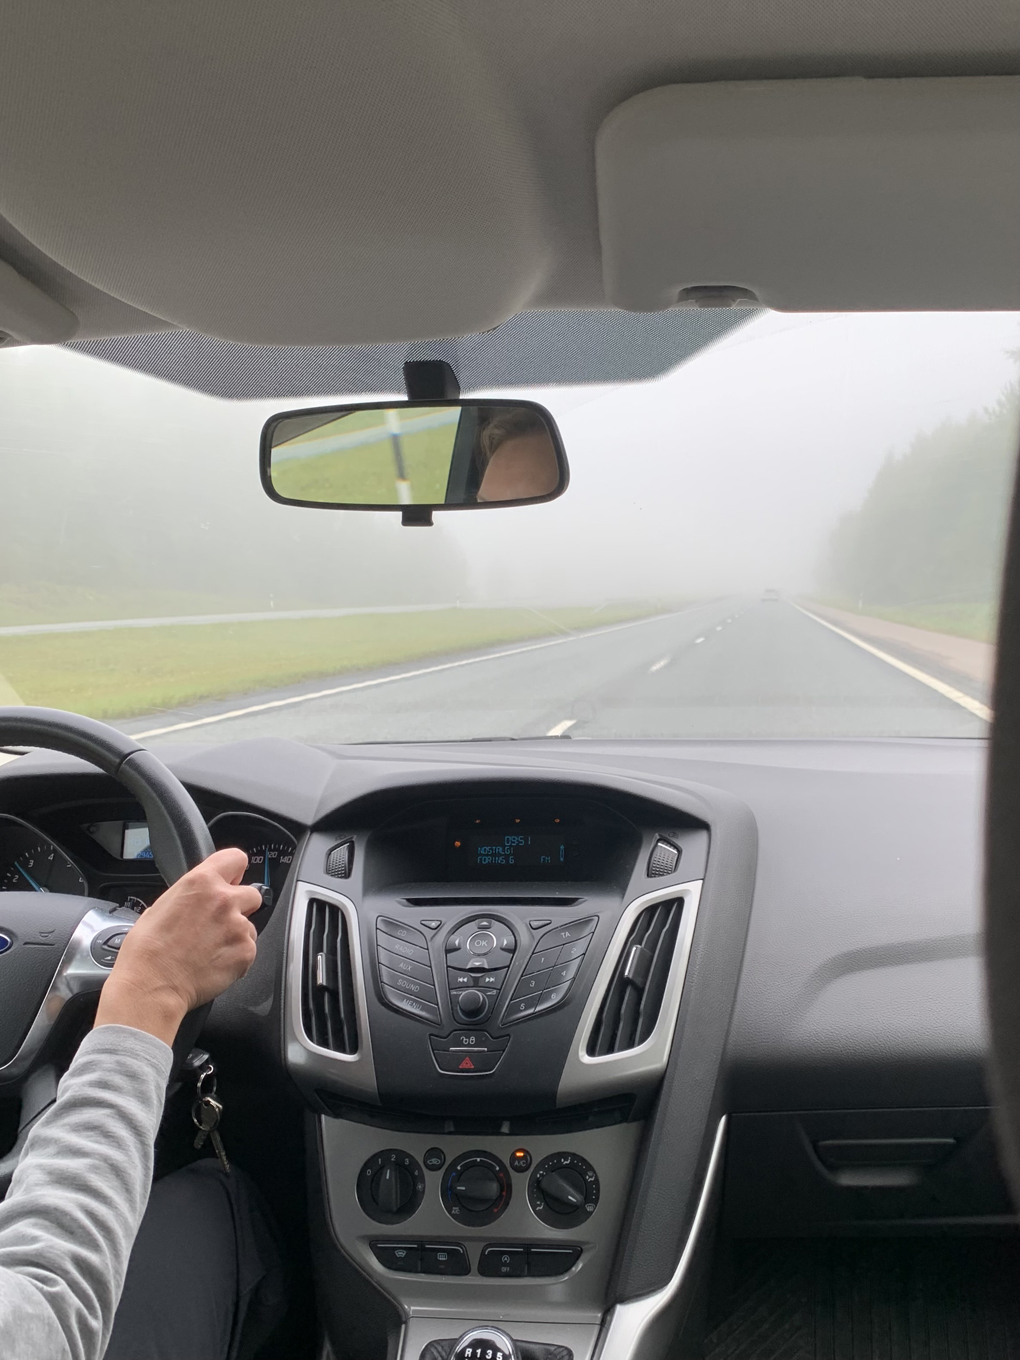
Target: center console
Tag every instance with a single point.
(482, 995)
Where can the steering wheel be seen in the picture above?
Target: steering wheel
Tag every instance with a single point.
(53, 943)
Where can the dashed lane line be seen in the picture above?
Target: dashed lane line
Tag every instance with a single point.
(974, 706)
(561, 727)
(293, 699)
(659, 665)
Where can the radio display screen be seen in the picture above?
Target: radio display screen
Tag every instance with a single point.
(515, 851)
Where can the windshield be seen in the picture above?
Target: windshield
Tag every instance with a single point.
(798, 532)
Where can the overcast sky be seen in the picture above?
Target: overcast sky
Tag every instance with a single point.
(726, 474)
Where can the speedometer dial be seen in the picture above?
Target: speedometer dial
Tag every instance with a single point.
(30, 862)
(270, 848)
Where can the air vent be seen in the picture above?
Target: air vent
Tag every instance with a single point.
(327, 1000)
(633, 1000)
(340, 860)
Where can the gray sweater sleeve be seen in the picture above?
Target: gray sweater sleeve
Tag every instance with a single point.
(77, 1197)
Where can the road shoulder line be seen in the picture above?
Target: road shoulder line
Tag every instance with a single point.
(957, 696)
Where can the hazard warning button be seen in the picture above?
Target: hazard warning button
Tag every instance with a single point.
(467, 1055)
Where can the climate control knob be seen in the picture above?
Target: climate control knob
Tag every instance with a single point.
(476, 1189)
(563, 1190)
(390, 1186)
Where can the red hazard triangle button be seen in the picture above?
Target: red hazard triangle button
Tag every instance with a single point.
(466, 1066)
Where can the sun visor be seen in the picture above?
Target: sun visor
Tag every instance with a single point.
(814, 195)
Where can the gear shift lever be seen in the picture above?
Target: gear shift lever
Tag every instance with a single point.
(485, 1343)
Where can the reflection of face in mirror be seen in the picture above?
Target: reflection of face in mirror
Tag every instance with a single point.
(518, 457)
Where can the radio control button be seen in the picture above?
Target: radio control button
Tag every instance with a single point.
(400, 931)
(409, 986)
(532, 984)
(405, 967)
(575, 930)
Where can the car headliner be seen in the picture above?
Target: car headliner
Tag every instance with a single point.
(355, 174)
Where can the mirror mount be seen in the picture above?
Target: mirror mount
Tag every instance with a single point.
(430, 380)
(416, 517)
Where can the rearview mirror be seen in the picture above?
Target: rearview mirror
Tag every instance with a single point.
(415, 457)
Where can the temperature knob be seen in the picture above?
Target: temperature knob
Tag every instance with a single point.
(563, 1190)
(476, 1189)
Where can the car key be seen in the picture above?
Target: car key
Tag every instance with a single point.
(205, 1114)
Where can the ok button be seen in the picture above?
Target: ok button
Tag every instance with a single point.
(481, 942)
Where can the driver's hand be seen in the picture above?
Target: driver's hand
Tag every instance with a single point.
(189, 946)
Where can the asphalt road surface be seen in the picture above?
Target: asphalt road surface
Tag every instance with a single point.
(730, 668)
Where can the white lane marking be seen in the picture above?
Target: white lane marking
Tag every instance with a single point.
(659, 665)
(697, 640)
(974, 706)
(561, 727)
(402, 675)
(718, 627)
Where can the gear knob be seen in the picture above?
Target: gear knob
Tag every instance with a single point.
(485, 1343)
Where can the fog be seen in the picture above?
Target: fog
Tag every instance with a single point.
(727, 474)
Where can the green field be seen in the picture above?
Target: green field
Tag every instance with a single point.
(122, 673)
(367, 473)
(976, 621)
(58, 602)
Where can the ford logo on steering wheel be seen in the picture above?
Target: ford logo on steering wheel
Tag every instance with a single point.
(5, 942)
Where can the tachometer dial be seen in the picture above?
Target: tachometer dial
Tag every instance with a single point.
(270, 849)
(30, 862)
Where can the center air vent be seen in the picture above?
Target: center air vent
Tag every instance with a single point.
(633, 1000)
(327, 998)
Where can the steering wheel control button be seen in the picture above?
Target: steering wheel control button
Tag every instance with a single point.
(444, 1258)
(520, 1159)
(468, 1055)
(563, 1190)
(510, 1263)
(106, 945)
(476, 1189)
(402, 1256)
(434, 1159)
(391, 1186)
(544, 1262)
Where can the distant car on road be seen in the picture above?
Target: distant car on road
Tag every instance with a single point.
(770, 594)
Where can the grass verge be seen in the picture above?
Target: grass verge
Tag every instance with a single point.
(976, 621)
(123, 673)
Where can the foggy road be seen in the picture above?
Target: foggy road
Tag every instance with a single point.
(730, 668)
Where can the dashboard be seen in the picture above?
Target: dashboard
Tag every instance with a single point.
(534, 1016)
(101, 849)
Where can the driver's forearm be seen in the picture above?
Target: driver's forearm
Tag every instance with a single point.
(71, 1215)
